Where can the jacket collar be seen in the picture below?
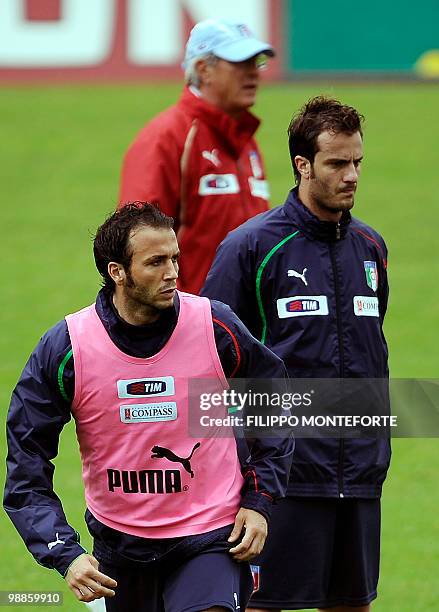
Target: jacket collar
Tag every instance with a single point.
(234, 132)
(310, 225)
(136, 340)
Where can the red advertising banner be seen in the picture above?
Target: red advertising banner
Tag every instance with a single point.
(116, 40)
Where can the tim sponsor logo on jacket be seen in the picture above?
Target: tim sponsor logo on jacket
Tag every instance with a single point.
(302, 305)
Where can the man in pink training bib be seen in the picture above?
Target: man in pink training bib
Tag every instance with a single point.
(174, 519)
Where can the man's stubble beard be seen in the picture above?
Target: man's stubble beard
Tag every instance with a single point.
(334, 208)
(323, 204)
(141, 297)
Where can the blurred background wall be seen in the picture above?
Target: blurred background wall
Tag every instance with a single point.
(104, 40)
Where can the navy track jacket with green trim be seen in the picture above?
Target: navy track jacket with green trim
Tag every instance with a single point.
(316, 294)
(40, 408)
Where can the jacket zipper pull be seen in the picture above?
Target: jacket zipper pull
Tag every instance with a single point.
(337, 231)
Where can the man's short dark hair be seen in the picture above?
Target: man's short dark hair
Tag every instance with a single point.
(319, 114)
(111, 242)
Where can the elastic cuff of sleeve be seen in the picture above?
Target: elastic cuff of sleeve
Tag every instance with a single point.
(64, 565)
(259, 503)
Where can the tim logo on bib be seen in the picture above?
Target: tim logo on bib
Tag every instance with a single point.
(146, 387)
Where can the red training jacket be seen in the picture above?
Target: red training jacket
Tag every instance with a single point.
(204, 169)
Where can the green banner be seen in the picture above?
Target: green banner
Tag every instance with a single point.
(369, 36)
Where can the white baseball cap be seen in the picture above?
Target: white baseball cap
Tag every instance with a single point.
(228, 40)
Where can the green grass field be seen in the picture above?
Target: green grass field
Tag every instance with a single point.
(60, 160)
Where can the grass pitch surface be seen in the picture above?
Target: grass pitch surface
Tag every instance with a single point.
(60, 162)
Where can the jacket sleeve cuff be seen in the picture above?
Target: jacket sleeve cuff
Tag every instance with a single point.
(62, 565)
(259, 502)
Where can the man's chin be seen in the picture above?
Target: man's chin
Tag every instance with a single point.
(345, 204)
(165, 301)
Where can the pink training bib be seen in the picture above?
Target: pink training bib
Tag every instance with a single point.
(142, 472)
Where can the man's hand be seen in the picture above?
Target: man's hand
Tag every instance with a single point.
(86, 581)
(255, 528)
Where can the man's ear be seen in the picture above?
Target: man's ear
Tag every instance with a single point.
(303, 166)
(203, 68)
(116, 272)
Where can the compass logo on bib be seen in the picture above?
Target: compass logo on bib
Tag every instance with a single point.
(148, 413)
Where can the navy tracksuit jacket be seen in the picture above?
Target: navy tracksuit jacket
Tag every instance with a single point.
(316, 294)
(40, 407)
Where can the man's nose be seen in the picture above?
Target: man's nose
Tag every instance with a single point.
(171, 271)
(351, 174)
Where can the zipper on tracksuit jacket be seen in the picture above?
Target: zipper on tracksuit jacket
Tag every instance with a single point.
(341, 353)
